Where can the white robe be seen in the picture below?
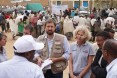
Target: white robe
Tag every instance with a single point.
(68, 26)
(82, 21)
(13, 26)
(110, 20)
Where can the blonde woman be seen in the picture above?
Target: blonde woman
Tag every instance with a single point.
(81, 55)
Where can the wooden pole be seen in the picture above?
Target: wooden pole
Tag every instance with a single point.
(79, 4)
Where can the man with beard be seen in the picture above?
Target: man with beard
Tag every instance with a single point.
(56, 48)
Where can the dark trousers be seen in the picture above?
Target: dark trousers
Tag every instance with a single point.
(39, 30)
(8, 26)
(94, 35)
(3, 27)
(49, 74)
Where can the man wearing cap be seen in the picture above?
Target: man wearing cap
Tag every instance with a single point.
(56, 48)
(20, 66)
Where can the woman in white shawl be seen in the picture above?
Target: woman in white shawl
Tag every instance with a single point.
(13, 27)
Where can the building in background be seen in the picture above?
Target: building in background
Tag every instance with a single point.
(15, 1)
(74, 3)
(105, 3)
(86, 3)
(71, 3)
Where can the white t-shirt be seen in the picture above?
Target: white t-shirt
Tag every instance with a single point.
(39, 22)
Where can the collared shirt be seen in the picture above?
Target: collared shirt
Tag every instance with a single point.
(20, 67)
(66, 47)
(3, 56)
(112, 69)
(80, 57)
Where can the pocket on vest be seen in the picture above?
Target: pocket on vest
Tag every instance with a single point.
(59, 66)
(57, 53)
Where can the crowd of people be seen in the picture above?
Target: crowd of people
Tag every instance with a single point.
(92, 54)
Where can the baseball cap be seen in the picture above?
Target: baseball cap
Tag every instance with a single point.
(26, 43)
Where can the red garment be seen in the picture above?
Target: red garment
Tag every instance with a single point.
(92, 16)
(7, 16)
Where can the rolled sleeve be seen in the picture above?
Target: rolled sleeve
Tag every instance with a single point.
(91, 50)
(66, 47)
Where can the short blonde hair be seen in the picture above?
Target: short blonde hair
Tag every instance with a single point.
(86, 31)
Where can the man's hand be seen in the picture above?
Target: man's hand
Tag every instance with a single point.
(39, 61)
(54, 59)
(57, 59)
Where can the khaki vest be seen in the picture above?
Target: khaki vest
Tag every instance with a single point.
(57, 50)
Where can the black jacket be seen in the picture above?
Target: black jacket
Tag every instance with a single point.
(99, 70)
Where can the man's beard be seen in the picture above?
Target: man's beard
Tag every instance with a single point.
(50, 32)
